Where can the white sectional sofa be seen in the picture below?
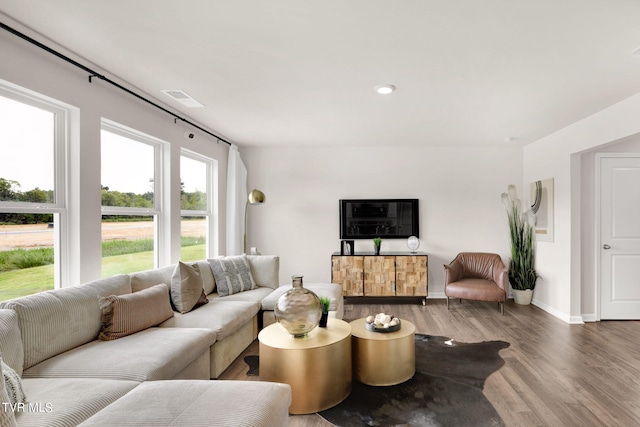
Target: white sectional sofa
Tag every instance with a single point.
(51, 340)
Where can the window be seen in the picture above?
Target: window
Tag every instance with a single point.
(195, 204)
(131, 204)
(33, 141)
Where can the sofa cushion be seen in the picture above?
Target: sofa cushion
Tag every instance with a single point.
(200, 403)
(7, 417)
(55, 321)
(208, 281)
(186, 287)
(69, 401)
(11, 346)
(265, 270)
(222, 316)
(145, 279)
(152, 354)
(12, 384)
(232, 274)
(124, 315)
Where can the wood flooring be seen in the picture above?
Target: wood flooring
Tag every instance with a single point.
(555, 374)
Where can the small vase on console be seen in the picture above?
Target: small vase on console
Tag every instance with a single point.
(298, 310)
(376, 245)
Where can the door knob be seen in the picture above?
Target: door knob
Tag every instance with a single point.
(605, 246)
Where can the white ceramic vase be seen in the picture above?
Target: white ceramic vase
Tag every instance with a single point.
(522, 297)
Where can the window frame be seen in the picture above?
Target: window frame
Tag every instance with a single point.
(158, 183)
(209, 212)
(62, 115)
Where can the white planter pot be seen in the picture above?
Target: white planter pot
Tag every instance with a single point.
(522, 297)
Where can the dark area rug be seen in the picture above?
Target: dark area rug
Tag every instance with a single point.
(446, 389)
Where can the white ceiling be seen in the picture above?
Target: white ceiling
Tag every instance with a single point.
(300, 73)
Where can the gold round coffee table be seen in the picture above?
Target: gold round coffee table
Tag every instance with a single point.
(317, 366)
(383, 358)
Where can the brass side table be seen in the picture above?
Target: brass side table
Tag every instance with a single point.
(317, 366)
(383, 358)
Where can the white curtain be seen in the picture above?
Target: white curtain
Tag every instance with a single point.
(236, 201)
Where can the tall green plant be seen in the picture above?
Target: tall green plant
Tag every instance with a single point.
(522, 273)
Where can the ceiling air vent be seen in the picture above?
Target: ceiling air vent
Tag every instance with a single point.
(183, 98)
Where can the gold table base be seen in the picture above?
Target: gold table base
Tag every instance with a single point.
(383, 358)
(317, 366)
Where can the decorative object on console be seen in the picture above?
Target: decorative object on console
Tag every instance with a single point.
(256, 197)
(522, 273)
(413, 243)
(298, 310)
(326, 304)
(376, 245)
(346, 247)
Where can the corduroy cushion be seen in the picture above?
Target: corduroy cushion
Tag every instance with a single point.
(265, 270)
(199, 403)
(232, 274)
(59, 320)
(123, 315)
(11, 346)
(186, 287)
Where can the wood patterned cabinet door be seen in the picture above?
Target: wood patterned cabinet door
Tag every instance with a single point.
(411, 275)
(348, 272)
(379, 276)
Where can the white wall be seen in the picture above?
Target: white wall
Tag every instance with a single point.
(30, 67)
(559, 156)
(459, 192)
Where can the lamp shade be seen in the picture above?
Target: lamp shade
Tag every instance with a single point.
(256, 197)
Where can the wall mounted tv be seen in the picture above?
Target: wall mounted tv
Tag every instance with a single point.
(384, 218)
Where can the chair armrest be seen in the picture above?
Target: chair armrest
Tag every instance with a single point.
(452, 272)
(501, 277)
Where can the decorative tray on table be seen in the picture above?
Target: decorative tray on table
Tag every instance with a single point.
(382, 323)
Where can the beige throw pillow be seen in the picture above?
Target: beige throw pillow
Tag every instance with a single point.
(124, 315)
(186, 287)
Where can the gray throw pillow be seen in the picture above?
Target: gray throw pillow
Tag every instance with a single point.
(232, 274)
(13, 384)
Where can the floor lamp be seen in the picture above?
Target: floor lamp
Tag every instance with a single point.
(256, 197)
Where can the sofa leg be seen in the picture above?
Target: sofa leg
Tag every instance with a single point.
(501, 304)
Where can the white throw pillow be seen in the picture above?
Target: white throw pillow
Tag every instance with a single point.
(265, 270)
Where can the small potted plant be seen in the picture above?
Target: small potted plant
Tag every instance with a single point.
(376, 245)
(324, 303)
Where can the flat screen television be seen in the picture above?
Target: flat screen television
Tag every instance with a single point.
(384, 218)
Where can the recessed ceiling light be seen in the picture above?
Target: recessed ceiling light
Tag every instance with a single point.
(385, 89)
(183, 97)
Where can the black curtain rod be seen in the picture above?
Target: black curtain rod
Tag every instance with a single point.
(93, 74)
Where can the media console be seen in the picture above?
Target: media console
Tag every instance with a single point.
(395, 276)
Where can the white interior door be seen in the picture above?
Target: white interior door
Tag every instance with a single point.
(619, 237)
